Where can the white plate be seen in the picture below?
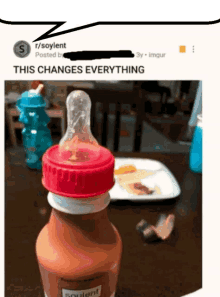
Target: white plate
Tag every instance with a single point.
(161, 177)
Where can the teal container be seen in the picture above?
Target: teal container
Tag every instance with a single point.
(195, 160)
(36, 135)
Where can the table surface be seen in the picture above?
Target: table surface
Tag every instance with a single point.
(169, 268)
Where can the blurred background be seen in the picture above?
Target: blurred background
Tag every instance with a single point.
(127, 116)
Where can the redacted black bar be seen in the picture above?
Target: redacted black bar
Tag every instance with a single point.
(95, 55)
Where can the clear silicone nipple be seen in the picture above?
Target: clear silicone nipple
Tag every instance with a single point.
(78, 144)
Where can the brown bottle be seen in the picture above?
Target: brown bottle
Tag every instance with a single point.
(79, 250)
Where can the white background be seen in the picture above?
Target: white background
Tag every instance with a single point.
(202, 65)
(83, 12)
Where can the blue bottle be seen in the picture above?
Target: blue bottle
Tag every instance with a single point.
(195, 159)
(36, 135)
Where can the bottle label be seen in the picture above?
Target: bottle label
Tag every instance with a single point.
(113, 295)
(102, 285)
(91, 287)
(94, 292)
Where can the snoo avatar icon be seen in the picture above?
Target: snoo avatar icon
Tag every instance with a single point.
(22, 49)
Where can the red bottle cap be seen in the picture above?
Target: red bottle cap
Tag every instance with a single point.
(78, 167)
(80, 179)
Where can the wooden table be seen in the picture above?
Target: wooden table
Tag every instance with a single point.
(169, 268)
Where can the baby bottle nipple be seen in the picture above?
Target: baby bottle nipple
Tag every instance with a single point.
(78, 144)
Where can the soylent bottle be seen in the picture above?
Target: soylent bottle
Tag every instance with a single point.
(79, 250)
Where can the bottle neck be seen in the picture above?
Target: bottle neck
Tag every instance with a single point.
(87, 223)
(86, 218)
(76, 206)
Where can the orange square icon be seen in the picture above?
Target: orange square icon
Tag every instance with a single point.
(182, 48)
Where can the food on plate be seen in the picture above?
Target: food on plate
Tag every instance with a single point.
(138, 175)
(157, 190)
(142, 188)
(130, 178)
(137, 189)
(134, 177)
(125, 169)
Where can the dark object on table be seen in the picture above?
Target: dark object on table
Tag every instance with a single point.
(161, 231)
(147, 231)
(142, 225)
(150, 234)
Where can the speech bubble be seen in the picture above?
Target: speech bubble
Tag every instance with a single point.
(73, 16)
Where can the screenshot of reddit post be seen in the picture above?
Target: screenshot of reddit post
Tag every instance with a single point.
(110, 159)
